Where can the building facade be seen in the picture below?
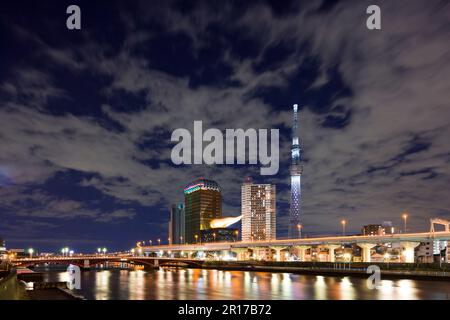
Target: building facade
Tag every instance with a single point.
(373, 230)
(219, 235)
(177, 224)
(258, 209)
(203, 203)
(424, 253)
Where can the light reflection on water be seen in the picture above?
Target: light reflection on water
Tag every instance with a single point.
(200, 284)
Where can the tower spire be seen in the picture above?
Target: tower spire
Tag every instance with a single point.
(296, 173)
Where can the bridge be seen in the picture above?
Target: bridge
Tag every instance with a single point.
(188, 254)
(407, 241)
(89, 261)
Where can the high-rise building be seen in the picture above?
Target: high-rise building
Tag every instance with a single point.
(203, 203)
(296, 174)
(258, 209)
(176, 224)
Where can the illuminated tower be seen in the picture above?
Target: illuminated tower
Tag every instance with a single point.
(296, 174)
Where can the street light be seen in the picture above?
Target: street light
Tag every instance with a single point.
(99, 250)
(104, 250)
(405, 217)
(214, 236)
(168, 240)
(181, 239)
(237, 235)
(196, 238)
(65, 251)
(343, 222)
(30, 251)
(299, 229)
(159, 241)
(151, 242)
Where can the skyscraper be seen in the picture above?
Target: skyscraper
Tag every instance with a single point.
(203, 203)
(296, 174)
(258, 206)
(176, 224)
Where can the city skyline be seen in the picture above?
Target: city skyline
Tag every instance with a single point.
(86, 116)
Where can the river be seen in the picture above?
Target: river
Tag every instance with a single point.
(198, 284)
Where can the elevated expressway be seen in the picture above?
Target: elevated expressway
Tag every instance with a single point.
(407, 240)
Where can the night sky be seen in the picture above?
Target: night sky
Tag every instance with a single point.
(86, 115)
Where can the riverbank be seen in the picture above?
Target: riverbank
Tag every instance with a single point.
(14, 287)
(388, 270)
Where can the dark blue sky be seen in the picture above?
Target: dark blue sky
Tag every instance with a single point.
(86, 115)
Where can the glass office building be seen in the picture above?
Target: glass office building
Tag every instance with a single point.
(203, 203)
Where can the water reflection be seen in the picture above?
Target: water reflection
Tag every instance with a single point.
(215, 284)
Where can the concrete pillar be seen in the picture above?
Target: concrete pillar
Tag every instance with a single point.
(241, 254)
(447, 253)
(366, 250)
(257, 253)
(278, 252)
(408, 252)
(302, 252)
(331, 253)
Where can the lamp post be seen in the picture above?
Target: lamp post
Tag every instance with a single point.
(237, 235)
(299, 229)
(214, 236)
(405, 217)
(30, 251)
(196, 238)
(151, 242)
(104, 251)
(159, 241)
(344, 223)
(181, 239)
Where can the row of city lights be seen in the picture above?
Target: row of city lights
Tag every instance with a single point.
(68, 252)
(299, 229)
(344, 223)
(138, 244)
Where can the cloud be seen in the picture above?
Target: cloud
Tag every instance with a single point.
(374, 118)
